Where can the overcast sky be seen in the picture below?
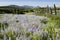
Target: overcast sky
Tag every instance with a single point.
(30, 2)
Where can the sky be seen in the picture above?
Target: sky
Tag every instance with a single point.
(42, 3)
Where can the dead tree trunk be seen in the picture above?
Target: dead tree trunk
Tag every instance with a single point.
(51, 10)
(47, 9)
(55, 9)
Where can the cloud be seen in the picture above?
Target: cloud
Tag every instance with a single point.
(30, 0)
(30, 3)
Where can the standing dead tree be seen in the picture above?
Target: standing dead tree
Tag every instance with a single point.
(47, 9)
(51, 10)
(55, 9)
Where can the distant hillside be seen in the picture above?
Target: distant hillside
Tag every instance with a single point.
(25, 6)
(15, 9)
(16, 6)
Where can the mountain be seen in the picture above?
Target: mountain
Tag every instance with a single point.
(16, 6)
(24, 6)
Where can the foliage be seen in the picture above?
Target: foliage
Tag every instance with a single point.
(11, 34)
(54, 23)
(53, 18)
(44, 21)
(1, 36)
(3, 25)
(34, 34)
(52, 32)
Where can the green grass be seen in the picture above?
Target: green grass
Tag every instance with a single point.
(54, 18)
(54, 23)
(29, 13)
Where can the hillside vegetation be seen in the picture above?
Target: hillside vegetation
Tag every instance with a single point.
(21, 23)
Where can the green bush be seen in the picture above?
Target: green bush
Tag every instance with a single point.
(9, 34)
(3, 25)
(1, 36)
(44, 21)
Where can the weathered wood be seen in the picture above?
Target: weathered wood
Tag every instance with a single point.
(47, 9)
(55, 9)
(51, 10)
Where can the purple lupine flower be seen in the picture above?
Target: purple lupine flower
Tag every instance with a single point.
(5, 37)
(35, 29)
(0, 20)
(6, 21)
(30, 29)
(17, 21)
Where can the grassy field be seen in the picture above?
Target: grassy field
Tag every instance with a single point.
(50, 28)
